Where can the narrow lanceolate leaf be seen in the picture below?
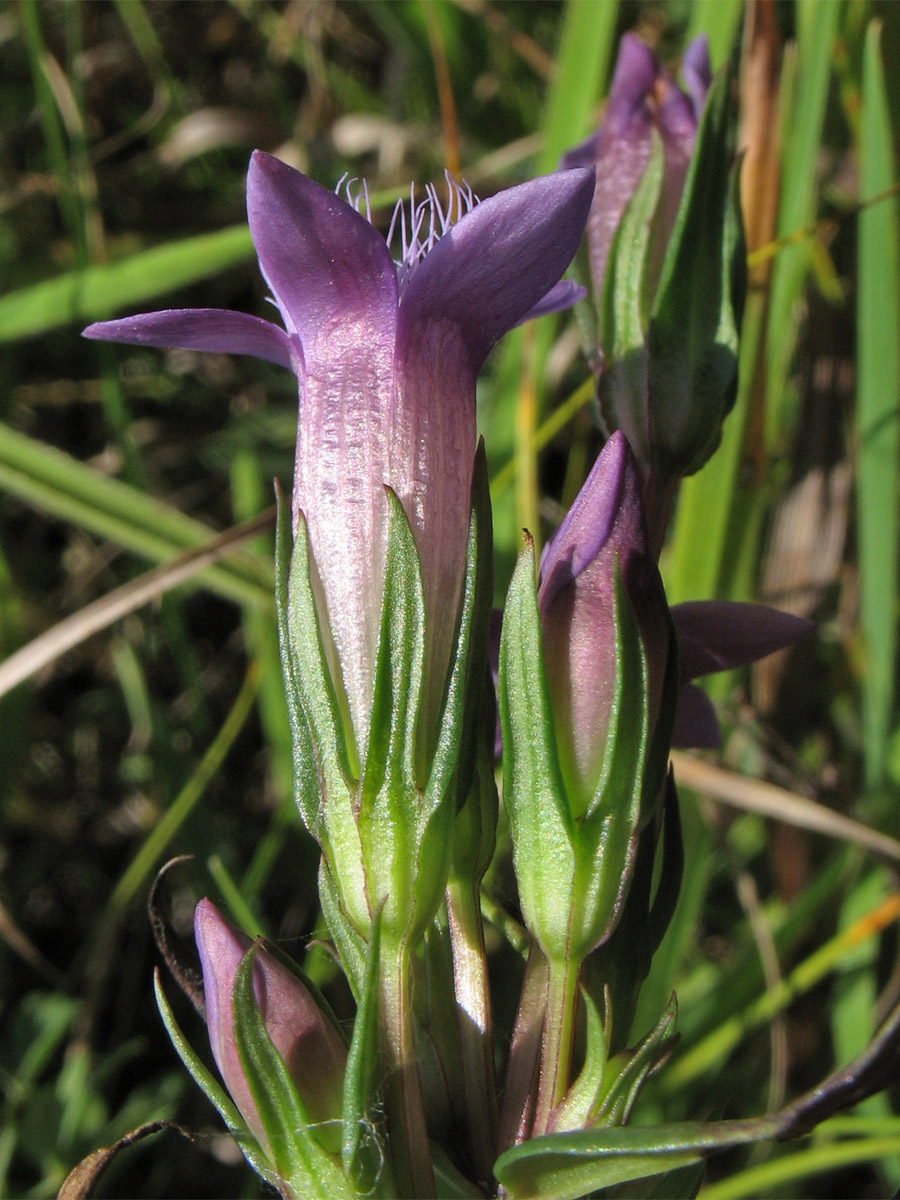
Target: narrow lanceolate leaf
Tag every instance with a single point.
(533, 790)
(56, 483)
(878, 391)
(391, 809)
(308, 1170)
(455, 755)
(323, 748)
(696, 317)
(362, 1150)
(622, 333)
(634, 1067)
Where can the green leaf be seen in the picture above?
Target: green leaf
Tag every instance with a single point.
(98, 292)
(878, 417)
(569, 1166)
(349, 944)
(696, 317)
(803, 121)
(622, 333)
(58, 484)
(582, 62)
(574, 1111)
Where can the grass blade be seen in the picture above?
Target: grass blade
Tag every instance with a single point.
(878, 322)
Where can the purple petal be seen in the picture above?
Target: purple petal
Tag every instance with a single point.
(493, 267)
(697, 72)
(717, 635)
(483, 276)
(696, 723)
(216, 329)
(634, 76)
(566, 293)
(329, 269)
(336, 286)
(589, 522)
(620, 149)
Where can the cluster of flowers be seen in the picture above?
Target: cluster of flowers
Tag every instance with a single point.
(385, 592)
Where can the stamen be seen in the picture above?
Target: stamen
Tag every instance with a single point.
(429, 220)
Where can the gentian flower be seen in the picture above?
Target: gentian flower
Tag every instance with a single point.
(575, 597)
(303, 1035)
(643, 98)
(603, 529)
(666, 262)
(386, 355)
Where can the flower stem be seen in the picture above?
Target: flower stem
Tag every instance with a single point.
(473, 1004)
(405, 1113)
(559, 1034)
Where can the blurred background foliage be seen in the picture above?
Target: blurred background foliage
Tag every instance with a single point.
(125, 133)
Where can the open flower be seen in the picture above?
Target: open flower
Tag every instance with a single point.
(303, 1035)
(386, 355)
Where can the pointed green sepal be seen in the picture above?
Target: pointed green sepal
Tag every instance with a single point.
(534, 795)
(622, 390)
(362, 1145)
(606, 839)
(296, 1146)
(629, 1070)
(324, 753)
(322, 740)
(697, 311)
(454, 757)
(391, 758)
(392, 813)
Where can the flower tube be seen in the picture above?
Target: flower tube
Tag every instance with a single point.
(386, 356)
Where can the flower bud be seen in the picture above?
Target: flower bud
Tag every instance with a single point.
(577, 598)
(667, 266)
(312, 1049)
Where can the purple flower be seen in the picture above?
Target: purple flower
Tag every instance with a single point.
(643, 97)
(386, 355)
(305, 1038)
(576, 596)
(605, 524)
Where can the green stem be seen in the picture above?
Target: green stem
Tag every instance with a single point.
(559, 1033)
(404, 1109)
(473, 1004)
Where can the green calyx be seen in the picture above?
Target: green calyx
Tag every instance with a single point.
(573, 854)
(385, 823)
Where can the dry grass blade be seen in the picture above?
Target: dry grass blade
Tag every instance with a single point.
(753, 795)
(102, 613)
